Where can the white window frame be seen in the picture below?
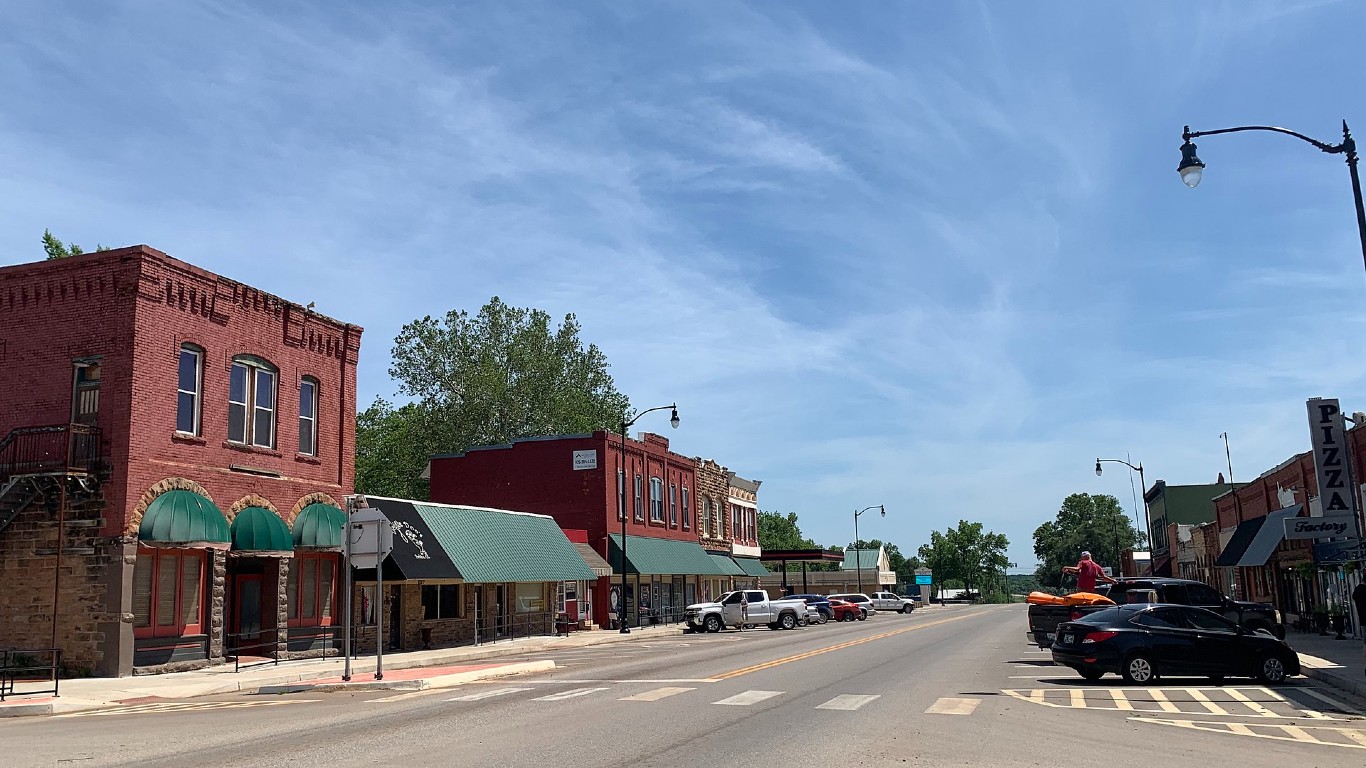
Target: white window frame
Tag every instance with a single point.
(312, 421)
(687, 521)
(197, 394)
(656, 500)
(254, 368)
(639, 504)
(673, 505)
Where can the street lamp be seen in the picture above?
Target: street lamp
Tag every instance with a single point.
(858, 566)
(1191, 169)
(1144, 482)
(621, 501)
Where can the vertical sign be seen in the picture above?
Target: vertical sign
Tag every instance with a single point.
(1329, 439)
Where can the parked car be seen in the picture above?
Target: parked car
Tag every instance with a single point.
(844, 611)
(890, 601)
(817, 603)
(863, 601)
(1143, 641)
(1044, 619)
(727, 612)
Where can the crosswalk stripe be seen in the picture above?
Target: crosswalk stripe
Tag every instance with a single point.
(1078, 699)
(747, 698)
(1249, 703)
(1334, 703)
(848, 702)
(1300, 734)
(656, 694)
(1241, 729)
(1161, 699)
(1214, 709)
(570, 694)
(488, 694)
(953, 706)
(1356, 736)
(1121, 701)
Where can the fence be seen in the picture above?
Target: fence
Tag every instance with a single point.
(54, 448)
(21, 665)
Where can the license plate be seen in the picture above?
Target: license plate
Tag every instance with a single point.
(1048, 636)
(1067, 639)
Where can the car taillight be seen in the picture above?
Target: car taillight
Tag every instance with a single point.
(1076, 615)
(1098, 637)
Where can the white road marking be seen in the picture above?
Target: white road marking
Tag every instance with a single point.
(570, 694)
(1121, 701)
(747, 698)
(1161, 699)
(656, 694)
(1339, 706)
(1292, 732)
(488, 694)
(184, 706)
(1078, 699)
(952, 706)
(1250, 704)
(848, 702)
(1214, 709)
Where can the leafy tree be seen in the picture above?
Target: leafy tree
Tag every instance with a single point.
(968, 554)
(477, 380)
(56, 249)
(899, 563)
(1084, 522)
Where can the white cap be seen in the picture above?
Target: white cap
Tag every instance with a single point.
(1085, 555)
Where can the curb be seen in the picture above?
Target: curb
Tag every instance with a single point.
(1336, 681)
(419, 684)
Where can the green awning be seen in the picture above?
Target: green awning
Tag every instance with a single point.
(319, 526)
(258, 530)
(490, 546)
(724, 563)
(751, 567)
(183, 518)
(663, 557)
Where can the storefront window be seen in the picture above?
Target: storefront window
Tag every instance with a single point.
(312, 588)
(168, 587)
(530, 598)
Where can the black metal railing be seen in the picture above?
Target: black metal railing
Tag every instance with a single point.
(263, 646)
(50, 449)
(20, 665)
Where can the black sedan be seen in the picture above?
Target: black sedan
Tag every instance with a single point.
(1144, 641)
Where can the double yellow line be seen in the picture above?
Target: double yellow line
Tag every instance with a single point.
(829, 648)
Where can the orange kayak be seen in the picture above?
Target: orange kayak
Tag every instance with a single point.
(1076, 598)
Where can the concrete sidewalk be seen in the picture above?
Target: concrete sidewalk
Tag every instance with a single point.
(1338, 663)
(406, 670)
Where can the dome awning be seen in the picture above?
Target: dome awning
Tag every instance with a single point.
(183, 519)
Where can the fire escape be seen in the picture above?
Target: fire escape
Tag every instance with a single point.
(46, 462)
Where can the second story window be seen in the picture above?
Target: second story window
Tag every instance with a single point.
(621, 494)
(189, 387)
(687, 510)
(703, 518)
(673, 504)
(640, 501)
(251, 402)
(656, 500)
(308, 416)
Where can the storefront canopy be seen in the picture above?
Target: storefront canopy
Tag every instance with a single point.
(724, 563)
(319, 526)
(1268, 536)
(416, 553)
(183, 519)
(751, 566)
(663, 557)
(1237, 545)
(593, 560)
(258, 531)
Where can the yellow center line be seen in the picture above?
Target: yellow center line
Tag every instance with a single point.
(829, 648)
(1078, 699)
(1299, 733)
(1241, 730)
(1356, 736)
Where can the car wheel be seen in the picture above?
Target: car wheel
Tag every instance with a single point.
(862, 615)
(822, 618)
(713, 624)
(1139, 669)
(1090, 674)
(803, 622)
(906, 609)
(787, 621)
(1271, 670)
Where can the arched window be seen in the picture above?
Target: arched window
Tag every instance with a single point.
(308, 416)
(189, 389)
(251, 401)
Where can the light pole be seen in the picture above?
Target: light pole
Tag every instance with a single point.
(1191, 169)
(621, 502)
(1147, 524)
(858, 566)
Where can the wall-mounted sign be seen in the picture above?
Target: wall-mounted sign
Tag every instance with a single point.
(1326, 527)
(1329, 439)
(586, 459)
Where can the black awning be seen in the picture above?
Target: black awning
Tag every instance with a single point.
(1242, 537)
(416, 553)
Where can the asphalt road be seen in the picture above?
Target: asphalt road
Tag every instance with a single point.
(944, 687)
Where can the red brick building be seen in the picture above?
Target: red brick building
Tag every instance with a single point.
(578, 480)
(182, 443)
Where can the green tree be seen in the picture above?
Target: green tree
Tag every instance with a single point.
(56, 249)
(903, 566)
(1084, 522)
(482, 379)
(970, 555)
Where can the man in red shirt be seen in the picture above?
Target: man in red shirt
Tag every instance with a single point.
(1087, 572)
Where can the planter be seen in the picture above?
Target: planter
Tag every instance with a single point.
(1339, 623)
(1321, 623)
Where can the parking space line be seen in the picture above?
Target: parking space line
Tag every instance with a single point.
(1160, 699)
(1249, 703)
(1214, 709)
(1121, 701)
(1036, 696)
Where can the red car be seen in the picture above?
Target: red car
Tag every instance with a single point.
(845, 611)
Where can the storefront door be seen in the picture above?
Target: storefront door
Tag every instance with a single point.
(246, 626)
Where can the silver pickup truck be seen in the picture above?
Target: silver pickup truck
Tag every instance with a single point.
(730, 611)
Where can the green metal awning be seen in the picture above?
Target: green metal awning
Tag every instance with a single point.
(663, 557)
(259, 531)
(724, 563)
(319, 526)
(183, 518)
(751, 567)
(493, 546)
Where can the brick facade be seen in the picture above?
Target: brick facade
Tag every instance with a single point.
(713, 490)
(129, 311)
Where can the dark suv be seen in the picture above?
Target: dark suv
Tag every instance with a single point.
(819, 602)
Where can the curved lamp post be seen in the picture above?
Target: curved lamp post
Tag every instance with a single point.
(858, 566)
(1142, 481)
(621, 501)
(1191, 169)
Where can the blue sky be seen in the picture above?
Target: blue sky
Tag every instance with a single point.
(929, 255)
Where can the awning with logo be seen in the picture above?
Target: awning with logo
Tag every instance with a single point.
(417, 554)
(1268, 536)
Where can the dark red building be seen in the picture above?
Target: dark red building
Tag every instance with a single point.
(174, 450)
(578, 480)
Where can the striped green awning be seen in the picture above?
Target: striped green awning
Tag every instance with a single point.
(259, 531)
(726, 564)
(186, 519)
(489, 546)
(319, 526)
(751, 567)
(663, 557)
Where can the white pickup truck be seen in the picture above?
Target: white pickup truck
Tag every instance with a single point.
(728, 611)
